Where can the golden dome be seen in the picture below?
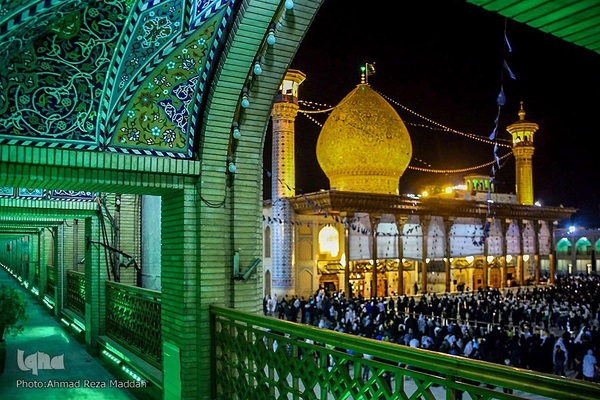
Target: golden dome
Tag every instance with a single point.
(364, 145)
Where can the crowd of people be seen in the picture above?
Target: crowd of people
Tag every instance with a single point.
(550, 328)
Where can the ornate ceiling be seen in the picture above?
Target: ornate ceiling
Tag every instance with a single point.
(122, 75)
(130, 76)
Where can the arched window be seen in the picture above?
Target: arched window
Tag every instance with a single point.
(329, 241)
(563, 247)
(583, 246)
(267, 242)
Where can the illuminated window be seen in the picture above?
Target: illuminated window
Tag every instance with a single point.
(584, 246)
(329, 241)
(563, 247)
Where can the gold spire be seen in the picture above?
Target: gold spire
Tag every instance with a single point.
(521, 112)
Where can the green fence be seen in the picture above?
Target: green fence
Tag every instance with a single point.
(133, 319)
(260, 358)
(76, 292)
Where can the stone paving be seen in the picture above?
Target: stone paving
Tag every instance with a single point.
(44, 334)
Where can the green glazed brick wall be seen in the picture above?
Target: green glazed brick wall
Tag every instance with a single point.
(181, 285)
(130, 235)
(70, 242)
(198, 239)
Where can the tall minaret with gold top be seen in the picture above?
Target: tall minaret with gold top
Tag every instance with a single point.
(283, 185)
(522, 137)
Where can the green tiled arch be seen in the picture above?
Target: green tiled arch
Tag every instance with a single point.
(198, 239)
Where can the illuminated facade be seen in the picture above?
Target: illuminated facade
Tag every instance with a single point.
(522, 137)
(282, 189)
(577, 250)
(362, 237)
(153, 112)
(159, 104)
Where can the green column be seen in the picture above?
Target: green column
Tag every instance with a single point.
(59, 271)
(185, 322)
(95, 286)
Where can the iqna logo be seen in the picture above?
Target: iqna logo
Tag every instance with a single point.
(39, 360)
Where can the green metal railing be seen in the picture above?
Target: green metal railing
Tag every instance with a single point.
(50, 279)
(76, 292)
(133, 319)
(257, 357)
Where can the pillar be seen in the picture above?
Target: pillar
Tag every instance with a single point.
(522, 133)
(573, 241)
(347, 288)
(34, 246)
(536, 256)
(424, 225)
(189, 288)
(448, 222)
(400, 226)
(504, 228)
(520, 263)
(60, 272)
(552, 262)
(486, 267)
(283, 184)
(95, 286)
(282, 246)
(42, 261)
(151, 235)
(374, 275)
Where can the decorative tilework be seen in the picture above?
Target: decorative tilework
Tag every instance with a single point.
(98, 75)
(71, 195)
(161, 80)
(40, 194)
(31, 193)
(6, 191)
(52, 83)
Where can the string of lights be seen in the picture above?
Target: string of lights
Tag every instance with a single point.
(311, 118)
(441, 127)
(480, 233)
(445, 171)
(434, 125)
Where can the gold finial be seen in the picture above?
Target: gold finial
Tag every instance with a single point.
(367, 70)
(522, 112)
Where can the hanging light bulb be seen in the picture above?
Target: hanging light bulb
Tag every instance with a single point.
(245, 100)
(230, 165)
(271, 37)
(257, 68)
(236, 131)
(289, 4)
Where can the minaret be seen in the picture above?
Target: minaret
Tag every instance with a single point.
(522, 136)
(283, 186)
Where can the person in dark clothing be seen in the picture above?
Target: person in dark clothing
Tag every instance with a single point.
(266, 301)
(391, 305)
(559, 361)
(530, 345)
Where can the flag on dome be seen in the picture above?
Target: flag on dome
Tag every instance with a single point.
(370, 69)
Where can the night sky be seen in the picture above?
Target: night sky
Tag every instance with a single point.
(444, 61)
